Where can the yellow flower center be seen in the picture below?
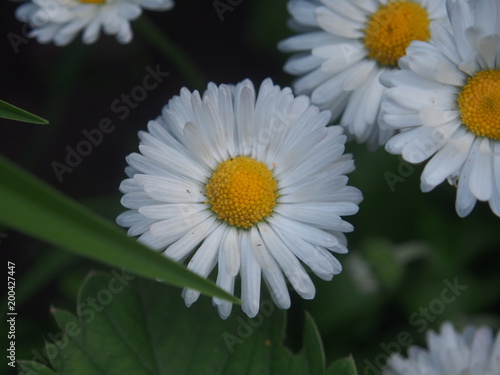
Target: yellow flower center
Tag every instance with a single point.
(479, 104)
(92, 1)
(242, 191)
(390, 30)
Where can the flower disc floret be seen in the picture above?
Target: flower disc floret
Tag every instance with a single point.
(242, 191)
(479, 104)
(392, 28)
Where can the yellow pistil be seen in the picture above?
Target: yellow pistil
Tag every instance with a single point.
(392, 28)
(242, 191)
(92, 1)
(479, 104)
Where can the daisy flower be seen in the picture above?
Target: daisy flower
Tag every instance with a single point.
(446, 101)
(344, 47)
(474, 351)
(60, 21)
(253, 182)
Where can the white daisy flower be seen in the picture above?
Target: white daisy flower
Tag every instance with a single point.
(252, 181)
(344, 47)
(474, 351)
(60, 21)
(446, 99)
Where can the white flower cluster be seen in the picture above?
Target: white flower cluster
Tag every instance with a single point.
(420, 77)
(60, 21)
(473, 351)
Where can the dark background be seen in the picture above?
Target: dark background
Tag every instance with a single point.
(405, 246)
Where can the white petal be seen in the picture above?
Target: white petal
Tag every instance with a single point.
(315, 215)
(168, 211)
(195, 140)
(445, 162)
(231, 252)
(346, 9)
(177, 192)
(480, 181)
(305, 42)
(224, 281)
(250, 276)
(338, 25)
(444, 39)
(318, 259)
(495, 198)
(128, 218)
(129, 185)
(272, 273)
(361, 123)
(292, 268)
(91, 32)
(301, 64)
(466, 201)
(192, 238)
(154, 242)
(303, 12)
(147, 166)
(244, 113)
(204, 261)
(176, 163)
(177, 226)
(434, 117)
(339, 56)
(137, 200)
(141, 226)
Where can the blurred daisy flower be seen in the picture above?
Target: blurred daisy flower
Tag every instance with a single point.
(344, 47)
(253, 182)
(59, 21)
(446, 101)
(474, 351)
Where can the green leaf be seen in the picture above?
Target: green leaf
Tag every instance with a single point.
(34, 208)
(142, 327)
(344, 366)
(312, 342)
(33, 368)
(12, 112)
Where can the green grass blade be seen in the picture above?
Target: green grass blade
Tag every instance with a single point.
(12, 112)
(34, 208)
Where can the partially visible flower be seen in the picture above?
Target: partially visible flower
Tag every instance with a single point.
(344, 47)
(446, 101)
(60, 21)
(252, 181)
(475, 351)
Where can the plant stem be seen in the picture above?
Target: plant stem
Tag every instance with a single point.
(172, 52)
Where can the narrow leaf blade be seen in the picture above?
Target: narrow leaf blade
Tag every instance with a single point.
(12, 112)
(36, 209)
